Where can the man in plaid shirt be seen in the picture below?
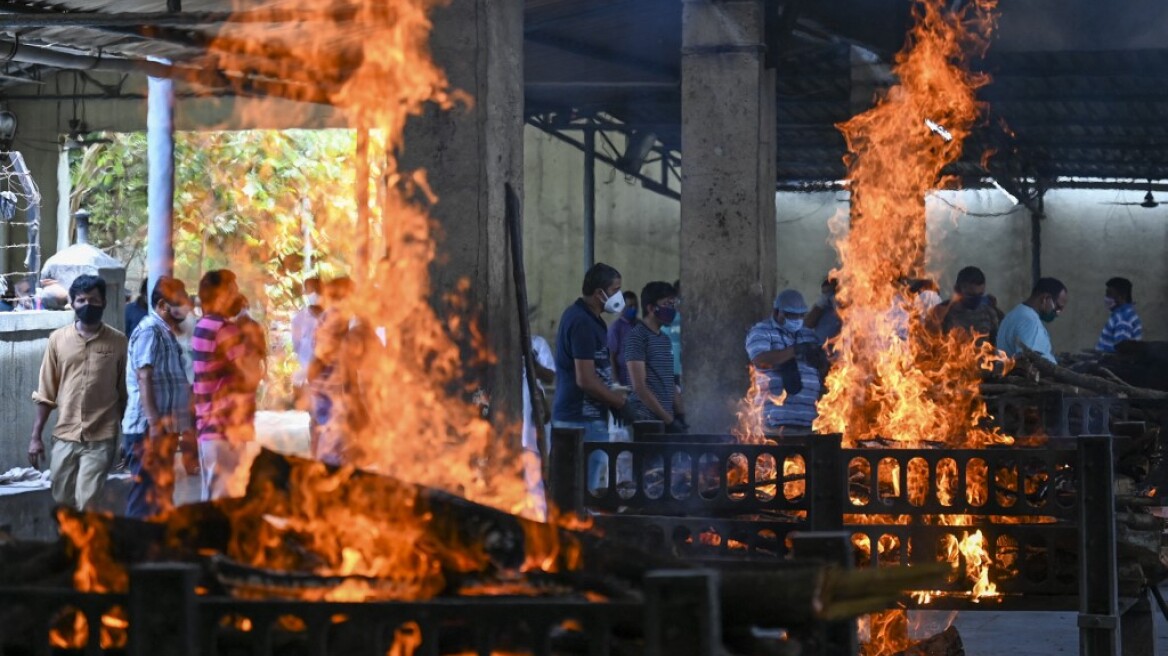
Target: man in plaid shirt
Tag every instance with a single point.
(158, 415)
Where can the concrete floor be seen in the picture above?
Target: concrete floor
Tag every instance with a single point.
(995, 633)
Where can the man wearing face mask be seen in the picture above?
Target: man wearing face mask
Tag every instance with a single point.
(584, 396)
(83, 377)
(1024, 327)
(649, 354)
(1123, 324)
(618, 332)
(790, 357)
(158, 414)
(970, 308)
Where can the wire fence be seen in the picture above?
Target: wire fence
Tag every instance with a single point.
(20, 214)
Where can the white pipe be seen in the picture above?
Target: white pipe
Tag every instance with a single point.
(160, 190)
(64, 190)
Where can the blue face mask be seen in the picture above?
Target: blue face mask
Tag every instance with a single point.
(630, 313)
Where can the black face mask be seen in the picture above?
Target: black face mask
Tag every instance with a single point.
(90, 315)
(972, 301)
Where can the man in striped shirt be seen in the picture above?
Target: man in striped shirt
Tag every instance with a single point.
(791, 359)
(1123, 324)
(649, 354)
(226, 376)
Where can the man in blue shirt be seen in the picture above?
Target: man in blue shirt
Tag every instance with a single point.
(790, 357)
(1023, 328)
(583, 368)
(1123, 324)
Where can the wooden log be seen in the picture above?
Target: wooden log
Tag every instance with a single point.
(1140, 521)
(1094, 383)
(945, 643)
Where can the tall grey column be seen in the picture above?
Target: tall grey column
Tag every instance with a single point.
(468, 154)
(727, 201)
(160, 189)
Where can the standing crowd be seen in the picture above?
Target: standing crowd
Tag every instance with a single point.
(149, 391)
(630, 369)
(202, 407)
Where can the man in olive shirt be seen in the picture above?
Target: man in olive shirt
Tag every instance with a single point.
(83, 376)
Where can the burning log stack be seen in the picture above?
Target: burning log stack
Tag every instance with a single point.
(283, 563)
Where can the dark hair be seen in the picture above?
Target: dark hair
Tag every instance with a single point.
(141, 300)
(338, 288)
(213, 290)
(1052, 286)
(970, 275)
(1123, 286)
(86, 283)
(600, 276)
(655, 292)
(312, 282)
(168, 289)
(630, 294)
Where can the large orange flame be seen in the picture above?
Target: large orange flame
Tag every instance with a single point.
(894, 379)
(405, 410)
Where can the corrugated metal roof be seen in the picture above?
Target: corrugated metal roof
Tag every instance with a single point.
(1084, 111)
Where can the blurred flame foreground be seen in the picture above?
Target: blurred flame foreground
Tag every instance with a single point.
(416, 424)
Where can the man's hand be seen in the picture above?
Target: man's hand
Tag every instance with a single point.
(625, 413)
(189, 450)
(36, 449)
(161, 426)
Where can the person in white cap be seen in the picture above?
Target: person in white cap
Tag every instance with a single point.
(790, 357)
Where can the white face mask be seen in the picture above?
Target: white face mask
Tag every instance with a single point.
(793, 325)
(312, 299)
(614, 303)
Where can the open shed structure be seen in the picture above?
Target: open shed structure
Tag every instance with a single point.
(713, 105)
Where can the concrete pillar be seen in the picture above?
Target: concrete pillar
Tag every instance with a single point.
(468, 154)
(727, 201)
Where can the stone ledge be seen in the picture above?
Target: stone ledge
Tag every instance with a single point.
(34, 321)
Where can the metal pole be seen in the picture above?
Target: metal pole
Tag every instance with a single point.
(1098, 576)
(1036, 241)
(589, 197)
(160, 192)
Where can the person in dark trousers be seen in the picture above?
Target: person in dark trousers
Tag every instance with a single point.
(649, 354)
(83, 376)
(157, 424)
(584, 398)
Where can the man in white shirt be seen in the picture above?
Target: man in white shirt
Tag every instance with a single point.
(1024, 327)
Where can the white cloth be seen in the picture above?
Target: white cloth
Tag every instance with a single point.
(532, 464)
(545, 359)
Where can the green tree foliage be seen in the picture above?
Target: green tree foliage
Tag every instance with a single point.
(244, 200)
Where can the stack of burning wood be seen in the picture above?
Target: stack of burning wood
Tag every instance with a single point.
(297, 536)
(1125, 394)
